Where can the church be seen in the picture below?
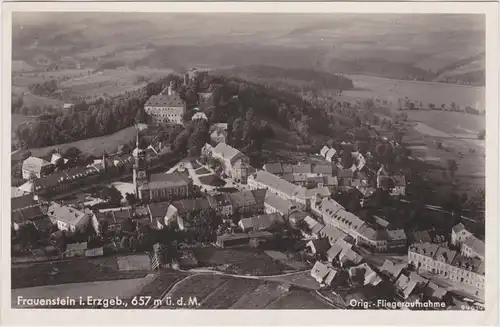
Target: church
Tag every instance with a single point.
(157, 187)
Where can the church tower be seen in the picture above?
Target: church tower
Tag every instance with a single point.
(140, 175)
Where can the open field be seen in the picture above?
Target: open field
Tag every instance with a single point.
(27, 79)
(94, 146)
(111, 81)
(160, 284)
(103, 290)
(240, 261)
(222, 292)
(427, 92)
(71, 271)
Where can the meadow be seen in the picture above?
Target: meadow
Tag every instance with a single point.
(93, 146)
(427, 92)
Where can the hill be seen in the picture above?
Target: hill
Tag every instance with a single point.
(425, 47)
(306, 79)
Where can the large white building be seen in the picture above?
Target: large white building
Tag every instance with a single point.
(166, 108)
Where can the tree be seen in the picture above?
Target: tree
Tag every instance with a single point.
(131, 199)
(111, 195)
(72, 153)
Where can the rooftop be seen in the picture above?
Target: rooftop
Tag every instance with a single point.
(392, 269)
(174, 179)
(396, 234)
(275, 182)
(35, 164)
(473, 264)
(22, 202)
(273, 168)
(243, 199)
(332, 233)
(458, 227)
(226, 151)
(64, 213)
(475, 244)
(277, 202)
(426, 249)
(64, 176)
(261, 221)
(164, 100)
(445, 255)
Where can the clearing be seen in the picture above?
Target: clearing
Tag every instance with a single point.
(93, 146)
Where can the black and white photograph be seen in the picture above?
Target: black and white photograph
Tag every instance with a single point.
(239, 160)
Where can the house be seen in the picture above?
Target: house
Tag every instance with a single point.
(27, 215)
(322, 170)
(329, 156)
(365, 274)
(323, 151)
(338, 250)
(274, 203)
(273, 168)
(158, 211)
(324, 274)
(433, 291)
(391, 269)
(222, 203)
(349, 256)
(67, 218)
(331, 233)
(245, 202)
(473, 247)
(261, 222)
(279, 186)
(422, 237)
(404, 286)
(344, 220)
(295, 217)
(421, 255)
(217, 137)
(111, 220)
(311, 227)
(322, 206)
(396, 239)
(459, 234)
(468, 271)
(56, 157)
(34, 167)
(166, 108)
(318, 246)
(199, 115)
(376, 240)
(242, 239)
(75, 250)
(235, 163)
(178, 210)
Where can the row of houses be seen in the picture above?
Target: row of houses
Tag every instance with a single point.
(470, 246)
(285, 189)
(378, 240)
(448, 264)
(234, 162)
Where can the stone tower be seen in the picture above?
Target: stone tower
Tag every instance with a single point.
(140, 176)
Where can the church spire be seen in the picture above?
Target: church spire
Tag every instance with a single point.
(137, 140)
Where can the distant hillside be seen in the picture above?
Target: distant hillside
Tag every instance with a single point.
(417, 47)
(311, 78)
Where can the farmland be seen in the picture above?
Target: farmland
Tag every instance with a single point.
(427, 92)
(240, 261)
(221, 292)
(94, 146)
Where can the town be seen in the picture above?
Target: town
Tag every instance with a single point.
(347, 220)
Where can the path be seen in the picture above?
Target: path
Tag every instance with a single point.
(273, 278)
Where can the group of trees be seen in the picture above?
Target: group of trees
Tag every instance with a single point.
(85, 120)
(44, 89)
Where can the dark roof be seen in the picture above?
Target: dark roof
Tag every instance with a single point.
(345, 173)
(159, 181)
(473, 264)
(164, 100)
(158, 209)
(259, 195)
(22, 202)
(302, 169)
(273, 168)
(242, 199)
(422, 237)
(60, 177)
(322, 169)
(43, 223)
